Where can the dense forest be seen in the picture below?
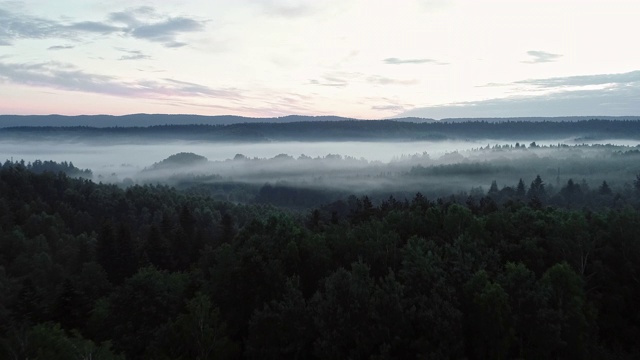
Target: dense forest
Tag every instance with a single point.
(135, 120)
(98, 271)
(371, 130)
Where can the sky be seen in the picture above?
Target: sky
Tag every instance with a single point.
(366, 59)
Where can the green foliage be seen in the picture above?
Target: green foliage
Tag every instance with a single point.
(282, 329)
(430, 301)
(196, 334)
(48, 341)
(489, 317)
(140, 306)
(565, 322)
(94, 271)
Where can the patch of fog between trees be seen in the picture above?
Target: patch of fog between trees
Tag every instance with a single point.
(127, 159)
(352, 166)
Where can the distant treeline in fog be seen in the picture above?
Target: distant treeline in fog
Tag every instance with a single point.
(341, 130)
(591, 176)
(304, 181)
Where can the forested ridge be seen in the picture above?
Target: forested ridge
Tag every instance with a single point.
(148, 272)
(132, 120)
(348, 130)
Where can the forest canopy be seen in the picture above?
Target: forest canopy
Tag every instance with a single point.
(152, 272)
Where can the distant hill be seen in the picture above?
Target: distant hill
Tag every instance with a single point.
(180, 160)
(541, 119)
(346, 130)
(144, 120)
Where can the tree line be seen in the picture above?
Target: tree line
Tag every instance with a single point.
(342, 130)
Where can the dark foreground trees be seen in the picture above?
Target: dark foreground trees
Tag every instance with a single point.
(93, 271)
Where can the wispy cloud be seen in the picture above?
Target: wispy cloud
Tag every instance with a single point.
(62, 76)
(166, 31)
(395, 108)
(140, 23)
(17, 26)
(131, 17)
(538, 57)
(381, 80)
(397, 61)
(95, 27)
(619, 79)
(288, 9)
(133, 55)
(60, 47)
(339, 83)
(334, 80)
(618, 99)
(585, 80)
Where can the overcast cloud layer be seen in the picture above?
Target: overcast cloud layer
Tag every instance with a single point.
(354, 58)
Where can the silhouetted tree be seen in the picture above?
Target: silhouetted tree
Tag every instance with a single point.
(604, 189)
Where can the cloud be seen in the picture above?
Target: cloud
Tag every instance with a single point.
(60, 47)
(541, 57)
(18, 26)
(288, 8)
(330, 80)
(167, 30)
(615, 101)
(130, 17)
(140, 23)
(95, 27)
(133, 55)
(396, 61)
(342, 79)
(395, 108)
(192, 88)
(62, 76)
(381, 80)
(584, 80)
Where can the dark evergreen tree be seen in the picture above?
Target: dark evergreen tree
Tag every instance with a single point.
(28, 307)
(520, 189)
(228, 228)
(156, 248)
(107, 252)
(493, 189)
(537, 190)
(126, 263)
(604, 189)
(488, 319)
(68, 308)
(572, 193)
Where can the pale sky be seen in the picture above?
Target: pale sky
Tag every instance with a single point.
(367, 59)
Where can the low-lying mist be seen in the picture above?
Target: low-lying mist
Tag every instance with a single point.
(386, 168)
(126, 160)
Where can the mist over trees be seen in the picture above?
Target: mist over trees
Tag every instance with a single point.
(305, 182)
(528, 249)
